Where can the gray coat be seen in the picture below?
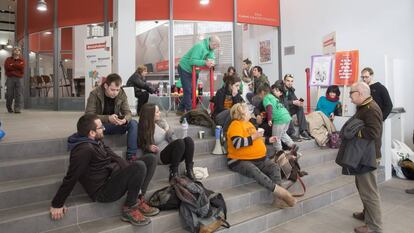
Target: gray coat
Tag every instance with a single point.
(356, 155)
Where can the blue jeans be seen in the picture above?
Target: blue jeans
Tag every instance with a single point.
(186, 82)
(132, 136)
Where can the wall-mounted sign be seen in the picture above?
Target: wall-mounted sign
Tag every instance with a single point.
(98, 62)
(263, 12)
(321, 70)
(346, 67)
(329, 43)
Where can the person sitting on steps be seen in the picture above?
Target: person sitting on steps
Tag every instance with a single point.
(157, 137)
(104, 175)
(247, 156)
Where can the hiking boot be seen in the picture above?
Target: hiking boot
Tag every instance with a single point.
(173, 172)
(189, 171)
(364, 229)
(134, 216)
(145, 209)
(359, 215)
(295, 138)
(284, 195)
(305, 135)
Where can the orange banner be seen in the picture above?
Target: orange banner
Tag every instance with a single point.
(346, 67)
(263, 12)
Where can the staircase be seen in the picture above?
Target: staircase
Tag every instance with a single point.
(31, 172)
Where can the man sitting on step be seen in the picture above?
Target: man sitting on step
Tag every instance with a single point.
(110, 103)
(104, 175)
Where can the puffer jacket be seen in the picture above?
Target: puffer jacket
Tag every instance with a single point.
(356, 155)
(320, 127)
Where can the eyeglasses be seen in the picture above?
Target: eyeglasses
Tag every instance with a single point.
(101, 127)
(351, 92)
(364, 77)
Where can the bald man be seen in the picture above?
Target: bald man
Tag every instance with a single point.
(370, 113)
(201, 54)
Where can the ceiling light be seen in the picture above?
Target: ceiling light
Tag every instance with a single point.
(9, 44)
(41, 5)
(204, 2)
(48, 33)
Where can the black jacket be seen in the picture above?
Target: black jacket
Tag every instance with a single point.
(91, 163)
(221, 96)
(380, 94)
(139, 83)
(356, 155)
(288, 99)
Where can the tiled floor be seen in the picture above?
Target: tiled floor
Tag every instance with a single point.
(397, 210)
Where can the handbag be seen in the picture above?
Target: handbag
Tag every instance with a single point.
(399, 152)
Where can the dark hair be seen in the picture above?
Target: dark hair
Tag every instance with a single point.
(146, 126)
(369, 70)
(259, 69)
(231, 68)
(231, 79)
(279, 85)
(247, 61)
(86, 123)
(287, 76)
(264, 87)
(334, 89)
(113, 78)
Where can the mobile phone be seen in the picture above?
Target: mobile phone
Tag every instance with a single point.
(301, 100)
(121, 117)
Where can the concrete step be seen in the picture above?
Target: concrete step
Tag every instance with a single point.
(32, 188)
(254, 213)
(240, 192)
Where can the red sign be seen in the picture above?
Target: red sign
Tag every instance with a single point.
(263, 12)
(163, 65)
(346, 67)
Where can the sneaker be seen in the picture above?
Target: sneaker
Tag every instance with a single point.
(17, 111)
(134, 216)
(145, 209)
(295, 138)
(305, 135)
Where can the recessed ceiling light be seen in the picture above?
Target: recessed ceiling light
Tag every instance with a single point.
(204, 2)
(41, 5)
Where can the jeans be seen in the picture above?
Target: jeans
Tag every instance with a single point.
(177, 151)
(132, 136)
(186, 82)
(131, 179)
(265, 172)
(280, 131)
(14, 92)
(300, 114)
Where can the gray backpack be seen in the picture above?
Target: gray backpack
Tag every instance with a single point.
(201, 209)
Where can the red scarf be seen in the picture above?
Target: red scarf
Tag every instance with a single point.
(332, 99)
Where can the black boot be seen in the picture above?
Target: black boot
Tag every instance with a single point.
(189, 171)
(173, 172)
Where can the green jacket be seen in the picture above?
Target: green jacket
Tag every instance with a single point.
(197, 55)
(280, 114)
(95, 104)
(258, 81)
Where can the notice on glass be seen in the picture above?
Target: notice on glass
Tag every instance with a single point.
(346, 67)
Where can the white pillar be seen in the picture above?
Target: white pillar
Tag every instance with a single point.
(78, 37)
(124, 38)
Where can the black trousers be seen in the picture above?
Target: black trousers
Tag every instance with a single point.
(300, 114)
(178, 151)
(132, 179)
(143, 97)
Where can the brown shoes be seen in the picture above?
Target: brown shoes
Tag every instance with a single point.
(359, 215)
(364, 229)
(284, 195)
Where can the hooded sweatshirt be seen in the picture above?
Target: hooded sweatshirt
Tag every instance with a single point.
(91, 163)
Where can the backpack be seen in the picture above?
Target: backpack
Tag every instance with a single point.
(165, 199)
(201, 209)
(334, 140)
(290, 169)
(407, 168)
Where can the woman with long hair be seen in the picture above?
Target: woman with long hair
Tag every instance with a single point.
(155, 136)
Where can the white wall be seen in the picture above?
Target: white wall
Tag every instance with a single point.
(377, 28)
(80, 33)
(250, 40)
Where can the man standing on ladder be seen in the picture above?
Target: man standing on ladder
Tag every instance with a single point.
(201, 54)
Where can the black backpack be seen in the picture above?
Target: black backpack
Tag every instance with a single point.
(201, 209)
(165, 199)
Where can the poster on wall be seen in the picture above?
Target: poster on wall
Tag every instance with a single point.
(97, 62)
(329, 43)
(346, 67)
(321, 70)
(265, 52)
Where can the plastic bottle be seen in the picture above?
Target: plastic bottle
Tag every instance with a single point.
(184, 126)
(161, 88)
